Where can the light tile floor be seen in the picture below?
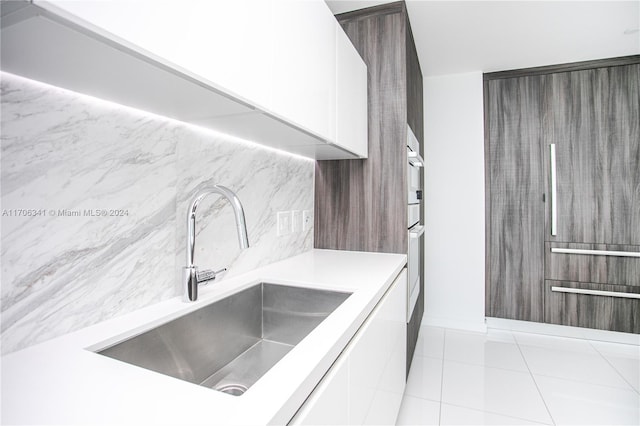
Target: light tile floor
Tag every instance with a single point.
(512, 378)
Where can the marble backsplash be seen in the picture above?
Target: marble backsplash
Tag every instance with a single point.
(65, 156)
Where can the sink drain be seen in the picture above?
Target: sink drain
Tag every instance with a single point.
(232, 389)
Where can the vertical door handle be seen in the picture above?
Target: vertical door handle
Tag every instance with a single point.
(554, 204)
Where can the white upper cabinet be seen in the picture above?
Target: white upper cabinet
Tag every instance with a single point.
(228, 44)
(223, 42)
(351, 97)
(263, 70)
(304, 77)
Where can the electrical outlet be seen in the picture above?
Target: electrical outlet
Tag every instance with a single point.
(284, 223)
(307, 220)
(296, 219)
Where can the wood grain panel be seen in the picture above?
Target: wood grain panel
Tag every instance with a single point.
(515, 238)
(593, 117)
(379, 10)
(572, 66)
(361, 204)
(415, 119)
(488, 240)
(415, 106)
(592, 268)
(601, 312)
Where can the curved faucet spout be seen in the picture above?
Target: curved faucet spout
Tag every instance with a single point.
(193, 277)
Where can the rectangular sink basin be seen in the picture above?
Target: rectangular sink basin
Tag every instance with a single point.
(228, 345)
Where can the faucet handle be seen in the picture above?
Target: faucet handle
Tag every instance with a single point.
(208, 275)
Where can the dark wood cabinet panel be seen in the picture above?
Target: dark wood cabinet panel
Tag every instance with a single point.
(415, 120)
(415, 105)
(592, 117)
(558, 68)
(592, 268)
(362, 204)
(515, 211)
(592, 311)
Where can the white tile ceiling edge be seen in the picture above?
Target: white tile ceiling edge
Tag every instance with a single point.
(463, 36)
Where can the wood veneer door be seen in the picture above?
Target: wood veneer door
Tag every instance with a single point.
(594, 121)
(585, 310)
(515, 214)
(362, 204)
(415, 120)
(415, 104)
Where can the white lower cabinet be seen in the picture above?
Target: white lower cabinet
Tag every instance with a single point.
(366, 383)
(329, 402)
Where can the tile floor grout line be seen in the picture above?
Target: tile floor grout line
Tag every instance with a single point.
(545, 348)
(553, 421)
(483, 365)
(444, 342)
(588, 346)
(422, 397)
(426, 356)
(495, 413)
(614, 368)
(584, 383)
(491, 367)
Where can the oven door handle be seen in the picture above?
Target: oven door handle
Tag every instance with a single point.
(416, 231)
(415, 159)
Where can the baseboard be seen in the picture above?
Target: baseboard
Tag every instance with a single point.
(563, 331)
(455, 323)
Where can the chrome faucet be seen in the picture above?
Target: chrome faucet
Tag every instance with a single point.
(192, 277)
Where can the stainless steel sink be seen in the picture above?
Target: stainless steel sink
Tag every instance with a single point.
(228, 345)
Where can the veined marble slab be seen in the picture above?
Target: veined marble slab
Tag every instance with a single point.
(70, 157)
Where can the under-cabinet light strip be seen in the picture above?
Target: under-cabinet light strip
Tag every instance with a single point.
(225, 137)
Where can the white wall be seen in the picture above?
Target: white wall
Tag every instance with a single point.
(454, 201)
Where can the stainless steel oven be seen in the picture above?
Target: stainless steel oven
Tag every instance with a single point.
(415, 228)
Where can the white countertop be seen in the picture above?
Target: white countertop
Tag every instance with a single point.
(63, 382)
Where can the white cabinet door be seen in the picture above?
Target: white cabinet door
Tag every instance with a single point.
(304, 77)
(369, 376)
(351, 97)
(378, 361)
(329, 402)
(227, 43)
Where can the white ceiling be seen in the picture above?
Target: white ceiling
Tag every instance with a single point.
(462, 36)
